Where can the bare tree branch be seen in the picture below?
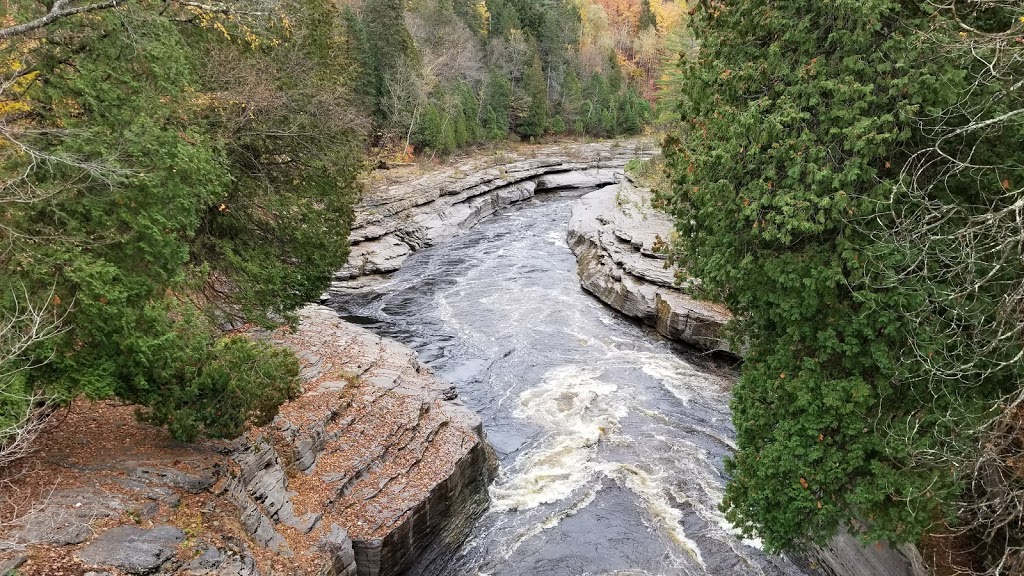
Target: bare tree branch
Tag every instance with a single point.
(59, 10)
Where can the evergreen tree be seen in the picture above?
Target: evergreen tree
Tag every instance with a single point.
(796, 118)
(469, 107)
(497, 102)
(357, 46)
(572, 105)
(634, 112)
(391, 48)
(597, 118)
(178, 212)
(533, 124)
(647, 17)
(503, 18)
(616, 77)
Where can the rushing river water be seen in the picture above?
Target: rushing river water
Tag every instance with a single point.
(610, 439)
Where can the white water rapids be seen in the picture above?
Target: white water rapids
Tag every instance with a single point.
(610, 439)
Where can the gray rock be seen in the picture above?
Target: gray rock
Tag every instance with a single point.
(148, 510)
(395, 220)
(429, 526)
(10, 566)
(845, 556)
(208, 559)
(65, 518)
(132, 549)
(165, 475)
(261, 492)
(341, 557)
(579, 179)
(236, 565)
(616, 236)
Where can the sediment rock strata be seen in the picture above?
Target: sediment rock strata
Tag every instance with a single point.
(844, 555)
(376, 469)
(618, 239)
(413, 211)
(371, 465)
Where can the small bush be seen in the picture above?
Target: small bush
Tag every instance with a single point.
(241, 382)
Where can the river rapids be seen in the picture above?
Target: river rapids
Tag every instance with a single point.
(610, 439)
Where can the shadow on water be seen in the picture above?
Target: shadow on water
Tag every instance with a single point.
(610, 439)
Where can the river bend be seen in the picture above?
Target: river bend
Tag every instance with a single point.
(610, 439)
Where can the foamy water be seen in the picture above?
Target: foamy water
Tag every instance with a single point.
(610, 439)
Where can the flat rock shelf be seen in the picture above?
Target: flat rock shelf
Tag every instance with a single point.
(411, 211)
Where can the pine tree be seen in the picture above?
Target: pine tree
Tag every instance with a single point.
(503, 18)
(469, 107)
(533, 124)
(634, 112)
(647, 17)
(390, 46)
(571, 105)
(357, 47)
(597, 120)
(495, 109)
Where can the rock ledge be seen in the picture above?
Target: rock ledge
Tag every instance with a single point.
(618, 238)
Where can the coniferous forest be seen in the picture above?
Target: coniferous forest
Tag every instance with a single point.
(846, 178)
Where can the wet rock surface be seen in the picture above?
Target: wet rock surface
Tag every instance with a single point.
(619, 241)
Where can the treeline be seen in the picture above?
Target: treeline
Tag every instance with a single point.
(848, 180)
(168, 170)
(442, 74)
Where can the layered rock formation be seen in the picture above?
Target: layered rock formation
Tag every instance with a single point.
(377, 469)
(846, 556)
(412, 211)
(619, 241)
(378, 466)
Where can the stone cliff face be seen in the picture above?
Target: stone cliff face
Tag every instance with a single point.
(618, 240)
(413, 211)
(846, 556)
(376, 469)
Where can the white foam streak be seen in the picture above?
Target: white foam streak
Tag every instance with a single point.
(652, 491)
(699, 477)
(553, 520)
(579, 410)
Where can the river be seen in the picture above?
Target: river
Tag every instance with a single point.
(610, 439)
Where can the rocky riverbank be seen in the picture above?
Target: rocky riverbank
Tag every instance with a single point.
(377, 466)
(406, 211)
(619, 241)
